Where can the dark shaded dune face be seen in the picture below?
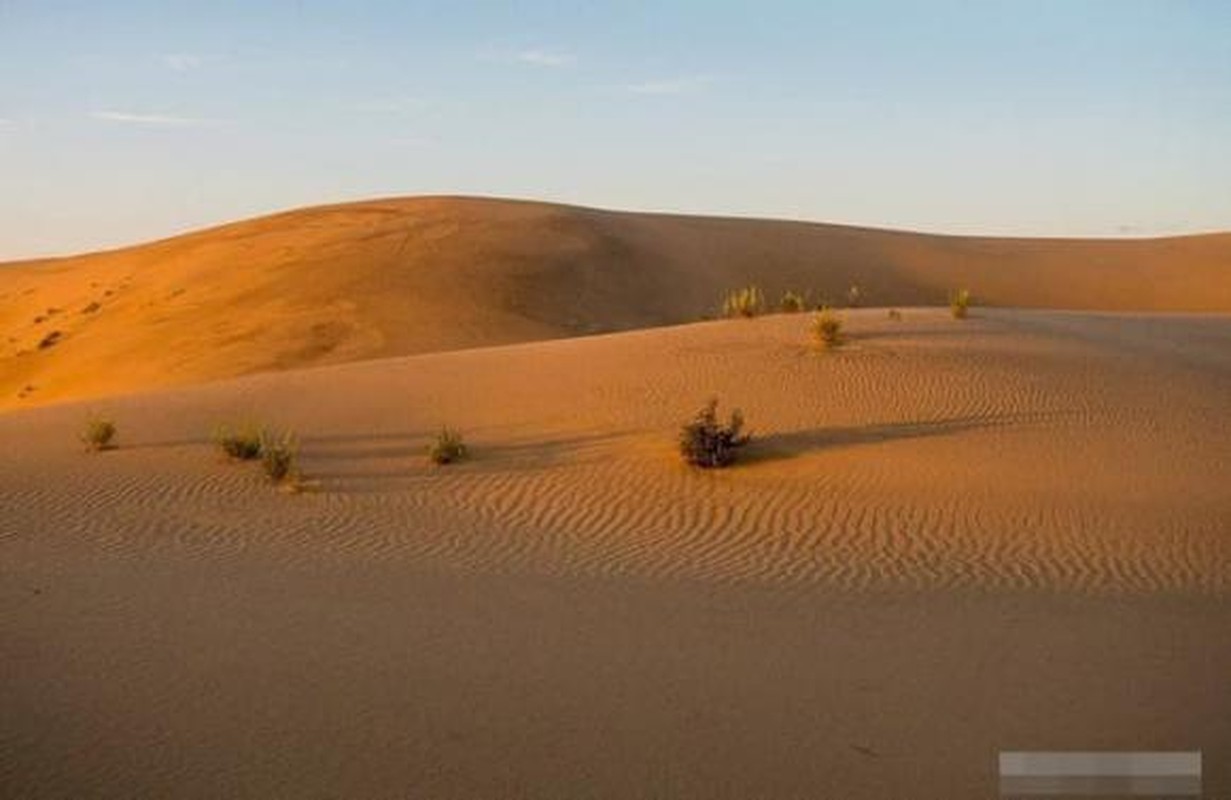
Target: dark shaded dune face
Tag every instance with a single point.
(404, 276)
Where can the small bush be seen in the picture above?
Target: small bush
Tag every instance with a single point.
(98, 433)
(827, 328)
(278, 456)
(895, 315)
(243, 444)
(447, 447)
(791, 302)
(746, 302)
(959, 303)
(706, 443)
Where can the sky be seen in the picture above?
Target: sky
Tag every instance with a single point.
(128, 121)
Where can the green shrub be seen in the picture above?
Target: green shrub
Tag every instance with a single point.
(959, 303)
(791, 302)
(827, 328)
(447, 447)
(279, 455)
(706, 443)
(745, 302)
(98, 433)
(241, 444)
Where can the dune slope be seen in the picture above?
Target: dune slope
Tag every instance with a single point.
(404, 276)
(1016, 449)
(947, 539)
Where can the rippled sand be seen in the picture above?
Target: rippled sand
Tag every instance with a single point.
(947, 538)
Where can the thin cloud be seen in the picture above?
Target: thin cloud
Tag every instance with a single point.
(668, 85)
(544, 58)
(153, 120)
(532, 56)
(182, 62)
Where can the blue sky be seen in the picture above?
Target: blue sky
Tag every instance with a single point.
(125, 121)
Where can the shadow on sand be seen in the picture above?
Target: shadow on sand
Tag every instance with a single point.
(782, 446)
(395, 456)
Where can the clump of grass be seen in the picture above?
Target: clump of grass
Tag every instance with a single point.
(279, 456)
(98, 434)
(447, 447)
(895, 315)
(707, 443)
(959, 303)
(240, 444)
(745, 302)
(853, 296)
(791, 302)
(827, 328)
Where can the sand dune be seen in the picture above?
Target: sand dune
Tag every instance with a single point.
(926, 453)
(948, 538)
(404, 276)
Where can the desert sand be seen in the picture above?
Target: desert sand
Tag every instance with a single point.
(414, 275)
(947, 538)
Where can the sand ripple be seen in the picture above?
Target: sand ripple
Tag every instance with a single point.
(1017, 450)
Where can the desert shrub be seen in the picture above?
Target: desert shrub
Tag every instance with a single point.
(98, 433)
(241, 444)
(447, 447)
(895, 315)
(827, 328)
(705, 442)
(278, 456)
(791, 302)
(745, 302)
(959, 303)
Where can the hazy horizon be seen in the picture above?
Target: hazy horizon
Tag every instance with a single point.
(141, 120)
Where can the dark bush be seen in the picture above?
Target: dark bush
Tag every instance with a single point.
(706, 443)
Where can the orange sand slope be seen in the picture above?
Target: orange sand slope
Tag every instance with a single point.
(403, 276)
(948, 539)
(1015, 450)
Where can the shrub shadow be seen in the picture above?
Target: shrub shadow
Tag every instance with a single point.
(372, 461)
(783, 446)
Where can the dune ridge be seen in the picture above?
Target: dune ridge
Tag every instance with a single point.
(402, 276)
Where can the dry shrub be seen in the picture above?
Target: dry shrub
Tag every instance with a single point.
(827, 328)
(240, 444)
(279, 456)
(745, 302)
(959, 303)
(707, 443)
(447, 447)
(98, 434)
